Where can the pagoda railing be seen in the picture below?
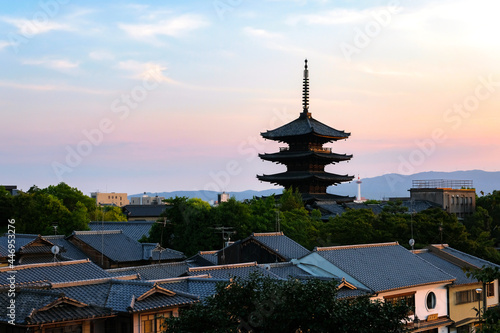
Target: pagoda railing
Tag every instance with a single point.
(316, 150)
(442, 183)
(322, 150)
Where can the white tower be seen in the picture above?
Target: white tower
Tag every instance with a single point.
(358, 199)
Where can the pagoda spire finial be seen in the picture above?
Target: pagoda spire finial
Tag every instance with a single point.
(305, 90)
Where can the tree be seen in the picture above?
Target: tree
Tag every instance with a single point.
(352, 227)
(6, 207)
(262, 304)
(188, 228)
(70, 196)
(490, 316)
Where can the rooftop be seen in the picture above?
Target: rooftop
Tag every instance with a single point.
(384, 266)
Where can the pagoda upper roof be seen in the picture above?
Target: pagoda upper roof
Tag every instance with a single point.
(292, 155)
(305, 125)
(324, 177)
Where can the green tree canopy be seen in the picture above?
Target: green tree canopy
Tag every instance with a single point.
(261, 304)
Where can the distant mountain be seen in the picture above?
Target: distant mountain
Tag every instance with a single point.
(380, 187)
(396, 185)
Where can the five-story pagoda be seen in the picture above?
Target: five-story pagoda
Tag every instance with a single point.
(305, 157)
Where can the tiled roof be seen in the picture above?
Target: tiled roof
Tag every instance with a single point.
(453, 261)
(67, 251)
(147, 211)
(91, 299)
(203, 258)
(133, 229)
(3, 251)
(46, 273)
(118, 247)
(303, 126)
(229, 271)
(384, 266)
(26, 301)
(21, 240)
(129, 296)
(447, 266)
(154, 271)
(283, 245)
(65, 310)
(286, 270)
(478, 262)
(201, 287)
(66, 248)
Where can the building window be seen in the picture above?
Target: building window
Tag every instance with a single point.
(408, 299)
(431, 300)
(466, 296)
(154, 323)
(490, 289)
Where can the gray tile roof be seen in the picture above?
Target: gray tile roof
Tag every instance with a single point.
(26, 301)
(96, 299)
(65, 312)
(154, 271)
(286, 270)
(478, 262)
(201, 287)
(118, 247)
(125, 296)
(67, 249)
(21, 240)
(203, 258)
(45, 273)
(384, 266)
(283, 245)
(229, 271)
(448, 267)
(133, 229)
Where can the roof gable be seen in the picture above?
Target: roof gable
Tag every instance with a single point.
(280, 244)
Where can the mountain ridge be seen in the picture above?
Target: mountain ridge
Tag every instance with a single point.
(377, 188)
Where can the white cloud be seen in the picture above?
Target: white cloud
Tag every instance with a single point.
(333, 17)
(261, 33)
(174, 27)
(4, 44)
(57, 64)
(29, 28)
(142, 70)
(101, 55)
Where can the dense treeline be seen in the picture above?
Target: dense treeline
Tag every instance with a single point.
(192, 225)
(259, 304)
(38, 210)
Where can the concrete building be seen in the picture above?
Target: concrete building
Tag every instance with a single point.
(113, 199)
(147, 200)
(454, 196)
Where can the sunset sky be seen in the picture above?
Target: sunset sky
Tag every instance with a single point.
(173, 95)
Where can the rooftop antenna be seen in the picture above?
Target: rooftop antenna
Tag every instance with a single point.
(412, 240)
(226, 233)
(277, 217)
(305, 90)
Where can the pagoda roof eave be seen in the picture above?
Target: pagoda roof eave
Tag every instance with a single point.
(290, 155)
(305, 125)
(290, 176)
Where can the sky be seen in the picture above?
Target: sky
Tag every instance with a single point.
(154, 96)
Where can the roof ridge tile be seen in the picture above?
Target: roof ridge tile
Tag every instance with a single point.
(357, 246)
(203, 268)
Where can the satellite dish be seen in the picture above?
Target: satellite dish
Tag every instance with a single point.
(412, 242)
(54, 249)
